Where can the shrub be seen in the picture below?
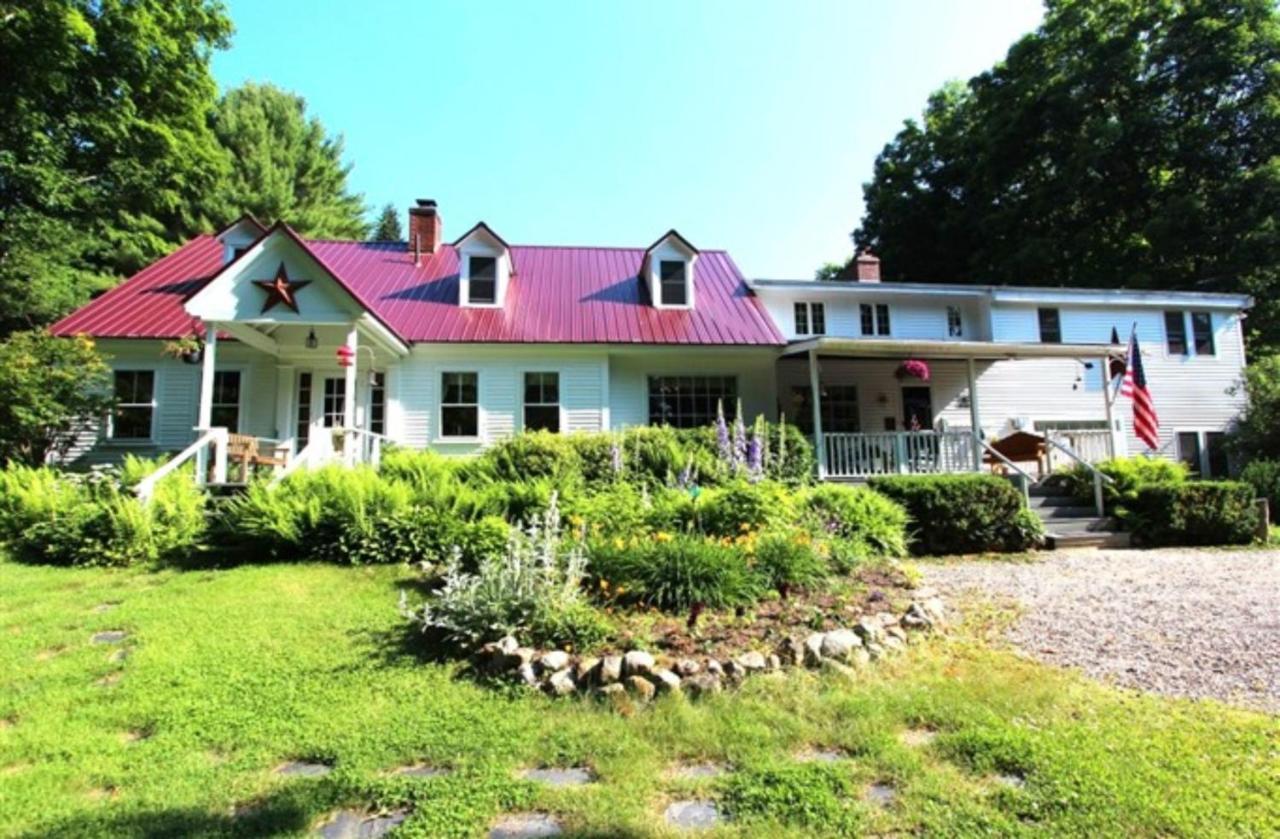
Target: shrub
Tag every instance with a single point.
(1195, 513)
(955, 514)
(788, 559)
(1256, 434)
(516, 592)
(680, 573)
(860, 523)
(659, 456)
(1264, 477)
(740, 506)
(531, 455)
(1128, 475)
(621, 509)
(600, 458)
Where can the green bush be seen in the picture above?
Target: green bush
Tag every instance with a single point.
(1264, 477)
(741, 507)
(1195, 513)
(956, 514)
(531, 455)
(860, 523)
(1128, 475)
(599, 457)
(788, 559)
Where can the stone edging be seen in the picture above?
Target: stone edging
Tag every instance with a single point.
(639, 674)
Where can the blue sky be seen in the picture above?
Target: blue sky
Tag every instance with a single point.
(747, 125)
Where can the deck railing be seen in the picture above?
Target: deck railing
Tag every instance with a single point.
(899, 452)
(1092, 445)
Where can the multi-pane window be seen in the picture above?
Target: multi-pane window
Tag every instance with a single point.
(335, 402)
(1202, 332)
(135, 405)
(811, 319)
(875, 318)
(542, 402)
(1175, 333)
(1050, 326)
(378, 403)
(955, 325)
(226, 400)
(303, 429)
(839, 409)
(671, 282)
(691, 401)
(460, 405)
(484, 279)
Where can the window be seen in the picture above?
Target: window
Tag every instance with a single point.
(875, 319)
(459, 405)
(542, 402)
(1189, 450)
(135, 405)
(839, 409)
(1050, 326)
(691, 401)
(811, 319)
(1215, 444)
(672, 283)
(484, 279)
(303, 429)
(226, 400)
(335, 401)
(1202, 332)
(378, 403)
(1175, 333)
(802, 318)
(955, 326)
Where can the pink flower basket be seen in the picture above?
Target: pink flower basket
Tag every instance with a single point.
(913, 368)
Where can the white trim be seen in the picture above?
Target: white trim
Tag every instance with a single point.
(439, 436)
(521, 372)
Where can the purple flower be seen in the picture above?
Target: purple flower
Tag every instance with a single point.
(722, 435)
(739, 457)
(755, 458)
(686, 476)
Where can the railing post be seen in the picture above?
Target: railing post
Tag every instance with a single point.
(1097, 494)
(900, 451)
(219, 455)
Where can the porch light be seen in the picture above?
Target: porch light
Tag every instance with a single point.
(312, 340)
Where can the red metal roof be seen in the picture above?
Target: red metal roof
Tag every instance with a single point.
(557, 295)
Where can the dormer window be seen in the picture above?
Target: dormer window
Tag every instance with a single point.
(673, 284)
(484, 279)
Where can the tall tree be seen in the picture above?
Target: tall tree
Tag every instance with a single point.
(387, 228)
(1123, 143)
(284, 166)
(104, 139)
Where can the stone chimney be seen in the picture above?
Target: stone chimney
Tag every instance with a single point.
(426, 229)
(866, 267)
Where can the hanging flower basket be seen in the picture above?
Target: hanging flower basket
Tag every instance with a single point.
(189, 349)
(913, 368)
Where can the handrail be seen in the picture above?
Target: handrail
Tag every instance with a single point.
(301, 459)
(1005, 460)
(210, 436)
(1098, 477)
(370, 443)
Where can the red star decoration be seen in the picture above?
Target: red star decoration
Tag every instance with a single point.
(281, 290)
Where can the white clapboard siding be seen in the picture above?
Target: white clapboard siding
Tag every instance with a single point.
(629, 378)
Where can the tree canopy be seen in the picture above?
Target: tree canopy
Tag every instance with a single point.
(387, 227)
(283, 165)
(1129, 143)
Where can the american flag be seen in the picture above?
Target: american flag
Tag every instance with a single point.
(1134, 385)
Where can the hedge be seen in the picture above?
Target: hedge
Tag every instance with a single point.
(960, 514)
(1264, 477)
(1195, 513)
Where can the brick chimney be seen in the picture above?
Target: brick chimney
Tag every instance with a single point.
(426, 229)
(867, 267)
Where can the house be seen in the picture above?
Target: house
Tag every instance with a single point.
(453, 345)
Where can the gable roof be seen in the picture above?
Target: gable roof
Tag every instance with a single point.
(563, 295)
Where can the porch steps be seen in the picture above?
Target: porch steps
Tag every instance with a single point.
(1067, 524)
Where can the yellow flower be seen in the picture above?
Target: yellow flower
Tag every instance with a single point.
(618, 543)
(576, 521)
(662, 536)
(619, 591)
(744, 527)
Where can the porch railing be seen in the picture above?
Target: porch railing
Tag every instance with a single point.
(207, 439)
(899, 452)
(366, 446)
(1089, 445)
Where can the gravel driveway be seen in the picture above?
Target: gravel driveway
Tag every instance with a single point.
(1184, 622)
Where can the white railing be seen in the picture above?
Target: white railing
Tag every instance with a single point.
(215, 438)
(899, 452)
(363, 446)
(1090, 445)
(1098, 478)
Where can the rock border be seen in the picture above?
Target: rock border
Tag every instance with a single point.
(639, 676)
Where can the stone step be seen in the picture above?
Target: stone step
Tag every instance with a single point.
(1054, 513)
(1091, 524)
(1100, 539)
(1038, 501)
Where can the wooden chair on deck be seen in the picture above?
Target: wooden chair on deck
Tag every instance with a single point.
(243, 449)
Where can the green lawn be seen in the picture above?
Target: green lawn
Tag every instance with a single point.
(230, 673)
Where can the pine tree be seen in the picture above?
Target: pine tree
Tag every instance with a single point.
(387, 227)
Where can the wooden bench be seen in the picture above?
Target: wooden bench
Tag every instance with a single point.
(244, 450)
(1018, 447)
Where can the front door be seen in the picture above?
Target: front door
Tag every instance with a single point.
(917, 409)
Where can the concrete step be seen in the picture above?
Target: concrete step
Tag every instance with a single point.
(1037, 501)
(1101, 539)
(1092, 524)
(1054, 513)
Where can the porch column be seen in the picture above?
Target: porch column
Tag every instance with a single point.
(975, 417)
(205, 417)
(349, 399)
(284, 402)
(815, 391)
(1106, 403)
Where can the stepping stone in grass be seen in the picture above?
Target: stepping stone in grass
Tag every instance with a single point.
(1011, 780)
(573, 776)
(304, 768)
(118, 656)
(697, 771)
(917, 737)
(527, 826)
(820, 756)
(697, 814)
(103, 607)
(880, 794)
(111, 636)
(352, 824)
(109, 680)
(421, 770)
